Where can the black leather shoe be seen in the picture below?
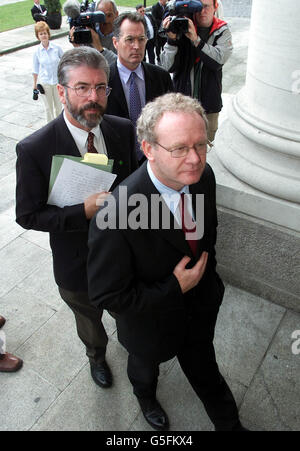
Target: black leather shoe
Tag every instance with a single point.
(154, 414)
(101, 374)
(240, 428)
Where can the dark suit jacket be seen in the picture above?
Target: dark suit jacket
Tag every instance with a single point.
(157, 13)
(35, 10)
(137, 280)
(153, 23)
(157, 83)
(68, 226)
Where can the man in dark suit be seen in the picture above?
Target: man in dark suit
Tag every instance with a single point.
(157, 12)
(150, 81)
(82, 76)
(38, 9)
(160, 276)
(151, 33)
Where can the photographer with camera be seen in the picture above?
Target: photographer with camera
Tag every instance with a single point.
(96, 44)
(198, 46)
(83, 22)
(105, 29)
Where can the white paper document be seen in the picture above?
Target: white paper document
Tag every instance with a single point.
(76, 181)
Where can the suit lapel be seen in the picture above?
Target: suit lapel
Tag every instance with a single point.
(64, 140)
(112, 142)
(150, 83)
(118, 91)
(194, 190)
(202, 188)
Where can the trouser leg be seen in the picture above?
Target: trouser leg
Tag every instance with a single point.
(48, 102)
(143, 376)
(160, 42)
(89, 326)
(198, 361)
(56, 100)
(150, 51)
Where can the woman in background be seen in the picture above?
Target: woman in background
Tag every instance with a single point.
(45, 62)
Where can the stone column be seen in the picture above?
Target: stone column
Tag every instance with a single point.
(257, 162)
(260, 142)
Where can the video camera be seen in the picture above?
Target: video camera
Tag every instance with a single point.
(179, 10)
(81, 16)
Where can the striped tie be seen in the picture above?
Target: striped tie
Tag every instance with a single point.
(135, 107)
(90, 146)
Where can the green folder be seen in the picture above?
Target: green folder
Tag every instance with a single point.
(57, 161)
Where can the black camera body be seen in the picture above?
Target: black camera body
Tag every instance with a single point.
(35, 94)
(179, 10)
(83, 17)
(178, 25)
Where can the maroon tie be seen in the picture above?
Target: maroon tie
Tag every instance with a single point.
(91, 147)
(188, 225)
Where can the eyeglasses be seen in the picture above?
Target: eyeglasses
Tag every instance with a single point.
(85, 90)
(130, 40)
(182, 151)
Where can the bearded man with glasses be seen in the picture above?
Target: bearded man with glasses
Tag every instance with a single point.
(83, 89)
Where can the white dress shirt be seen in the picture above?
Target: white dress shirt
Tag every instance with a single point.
(140, 81)
(80, 137)
(172, 197)
(45, 62)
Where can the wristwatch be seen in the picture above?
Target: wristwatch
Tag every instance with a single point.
(196, 42)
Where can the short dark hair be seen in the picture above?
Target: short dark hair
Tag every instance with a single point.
(139, 7)
(80, 56)
(132, 17)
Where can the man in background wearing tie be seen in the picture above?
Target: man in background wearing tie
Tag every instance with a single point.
(82, 127)
(151, 33)
(157, 12)
(133, 81)
(38, 9)
(160, 278)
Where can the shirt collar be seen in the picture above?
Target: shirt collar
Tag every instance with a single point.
(50, 46)
(80, 136)
(125, 72)
(170, 195)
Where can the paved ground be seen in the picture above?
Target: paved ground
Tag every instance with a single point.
(54, 390)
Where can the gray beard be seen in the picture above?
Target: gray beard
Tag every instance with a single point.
(92, 121)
